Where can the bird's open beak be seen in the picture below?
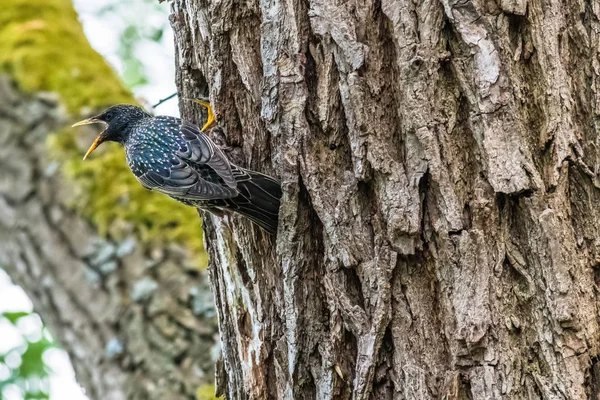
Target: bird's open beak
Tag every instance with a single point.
(88, 121)
(101, 137)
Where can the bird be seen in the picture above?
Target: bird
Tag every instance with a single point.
(177, 158)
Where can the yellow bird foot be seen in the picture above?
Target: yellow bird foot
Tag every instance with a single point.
(210, 121)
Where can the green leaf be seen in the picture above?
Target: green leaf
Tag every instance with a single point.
(156, 35)
(14, 316)
(32, 364)
(36, 396)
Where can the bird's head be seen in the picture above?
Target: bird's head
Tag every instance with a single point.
(118, 120)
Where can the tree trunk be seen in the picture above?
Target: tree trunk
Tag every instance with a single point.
(135, 315)
(438, 235)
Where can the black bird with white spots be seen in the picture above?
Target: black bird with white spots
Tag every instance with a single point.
(177, 158)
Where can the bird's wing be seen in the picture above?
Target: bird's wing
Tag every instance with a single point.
(202, 150)
(181, 180)
(197, 170)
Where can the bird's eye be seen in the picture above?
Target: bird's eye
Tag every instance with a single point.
(108, 116)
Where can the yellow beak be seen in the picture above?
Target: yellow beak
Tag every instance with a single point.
(88, 121)
(98, 140)
(94, 145)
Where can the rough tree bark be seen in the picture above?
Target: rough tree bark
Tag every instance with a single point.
(135, 316)
(438, 236)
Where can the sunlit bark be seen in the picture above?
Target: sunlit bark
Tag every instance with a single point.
(438, 235)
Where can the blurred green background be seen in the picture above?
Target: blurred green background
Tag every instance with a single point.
(140, 50)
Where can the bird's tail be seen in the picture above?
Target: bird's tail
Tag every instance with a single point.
(258, 199)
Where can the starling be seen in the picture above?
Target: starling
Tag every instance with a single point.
(177, 158)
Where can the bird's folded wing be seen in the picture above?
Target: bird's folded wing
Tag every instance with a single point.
(198, 169)
(202, 150)
(181, 180)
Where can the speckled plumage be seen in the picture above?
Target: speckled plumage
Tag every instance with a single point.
(174, 157)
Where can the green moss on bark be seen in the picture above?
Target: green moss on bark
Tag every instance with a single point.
(43, 48)
(207, 392)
